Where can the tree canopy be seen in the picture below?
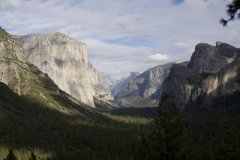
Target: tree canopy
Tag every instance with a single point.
(232, 11)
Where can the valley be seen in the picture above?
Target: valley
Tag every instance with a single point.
(28, 126)
(55, 105)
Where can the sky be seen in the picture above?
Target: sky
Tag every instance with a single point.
(123, 36)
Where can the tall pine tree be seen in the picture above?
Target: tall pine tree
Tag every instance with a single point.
(167, 138)
(11, 156)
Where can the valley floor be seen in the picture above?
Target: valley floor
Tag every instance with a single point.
(29, 129)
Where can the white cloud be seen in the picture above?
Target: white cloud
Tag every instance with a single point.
(181, 45)
(158, 57)
(9, 4)
(115, 58)
(171, 29)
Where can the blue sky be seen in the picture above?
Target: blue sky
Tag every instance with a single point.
(122, 35)
(178, 1)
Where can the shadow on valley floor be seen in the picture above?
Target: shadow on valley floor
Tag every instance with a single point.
(147, 112)
(28, 126)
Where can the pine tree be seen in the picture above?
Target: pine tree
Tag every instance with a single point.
(33, 156)
(166, 140)
(11, 156)
(232, 11)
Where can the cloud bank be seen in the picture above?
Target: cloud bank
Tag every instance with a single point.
(9, 4)
(124, 36)
(158, 57)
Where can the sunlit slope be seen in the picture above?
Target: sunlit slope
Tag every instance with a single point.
(39, 120)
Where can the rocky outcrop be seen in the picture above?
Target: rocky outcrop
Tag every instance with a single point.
(145, 89)
(65, 60)
(211, 59)
(11, 59)
(212, 72)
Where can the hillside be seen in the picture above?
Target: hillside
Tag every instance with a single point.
(28, 126)
(38, 119)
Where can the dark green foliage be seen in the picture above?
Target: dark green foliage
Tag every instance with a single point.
(238, 81)
(196, 134)
(148, 112)
(227, 148)
(11, 156)
(166, 141)
(33, 156)
(25, 123)
(193, 135)
(213, 134)
(227, 101)
(232, 10)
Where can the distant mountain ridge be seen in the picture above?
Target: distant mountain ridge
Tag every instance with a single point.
(110, 79)
(145, 89)
(121, 84)
(65, 60)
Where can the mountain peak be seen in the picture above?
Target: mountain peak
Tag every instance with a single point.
(218, 43)
(210, 59)
(56, 37)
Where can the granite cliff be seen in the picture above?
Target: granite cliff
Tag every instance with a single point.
(65, 60)
(29, 83)
(213, 71)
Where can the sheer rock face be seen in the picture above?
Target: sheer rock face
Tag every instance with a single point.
(212, 72)
(182, 80)
(65, 60)
(145, 89)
